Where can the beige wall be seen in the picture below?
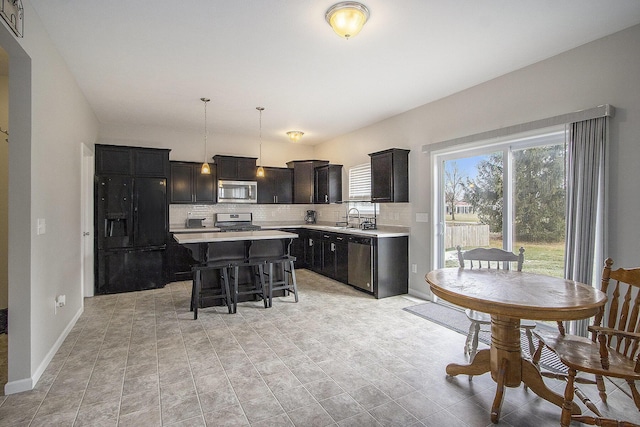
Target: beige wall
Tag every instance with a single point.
(49, 119)
(601, 72)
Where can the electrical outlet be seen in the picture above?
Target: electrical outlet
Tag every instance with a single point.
(414, 268)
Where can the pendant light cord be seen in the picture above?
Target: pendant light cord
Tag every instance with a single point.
(260, 137)
(205, 128)
(260, 109)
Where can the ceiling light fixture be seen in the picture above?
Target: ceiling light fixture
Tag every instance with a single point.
(205, 169)
(260, 172)
(295, 135)
(347, 18)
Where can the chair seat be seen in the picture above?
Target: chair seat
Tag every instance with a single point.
(478, 316)
(582, 354)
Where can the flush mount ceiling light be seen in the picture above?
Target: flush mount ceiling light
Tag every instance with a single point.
(205, 169)
(295, 135)
(260, 172)
(347, 18)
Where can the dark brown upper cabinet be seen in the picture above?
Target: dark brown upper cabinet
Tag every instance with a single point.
(189, 186)
(390, 176)
(138, 161)
(303, 179)
(234, 168)
(328, 184)
(276, 186)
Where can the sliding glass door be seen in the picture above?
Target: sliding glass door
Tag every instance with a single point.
(506, 194)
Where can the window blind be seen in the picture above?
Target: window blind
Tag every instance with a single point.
(360, 182)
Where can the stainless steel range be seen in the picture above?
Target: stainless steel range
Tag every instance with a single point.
(235, 222)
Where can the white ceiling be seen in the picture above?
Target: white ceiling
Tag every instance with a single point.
(150, 62)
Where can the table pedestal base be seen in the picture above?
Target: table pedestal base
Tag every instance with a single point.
(507, 366)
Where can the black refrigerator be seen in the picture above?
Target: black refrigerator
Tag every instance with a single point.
(131, 221)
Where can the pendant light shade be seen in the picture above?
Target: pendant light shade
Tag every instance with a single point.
(260, 171)
(347, 18)
(205, 169)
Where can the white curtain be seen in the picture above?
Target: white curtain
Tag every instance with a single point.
(586, 205)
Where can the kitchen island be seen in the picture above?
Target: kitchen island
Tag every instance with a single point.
(208, 246)
(234, 246)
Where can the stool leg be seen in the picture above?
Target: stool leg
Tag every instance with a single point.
(193, 290)
(270, 284)
(265, 297)
(292, 272)
(195, 294)
(235, 288)
(225, 279)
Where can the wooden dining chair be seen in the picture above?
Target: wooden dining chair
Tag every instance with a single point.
(489, 258)
(611, 351)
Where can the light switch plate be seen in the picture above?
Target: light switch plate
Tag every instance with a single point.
(41, 226)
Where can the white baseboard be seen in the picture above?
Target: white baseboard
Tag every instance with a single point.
(27, 384)
(421, 295)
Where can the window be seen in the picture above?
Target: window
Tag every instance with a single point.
(506, 194)
(360, 182)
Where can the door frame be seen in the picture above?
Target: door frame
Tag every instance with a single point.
(86, 215)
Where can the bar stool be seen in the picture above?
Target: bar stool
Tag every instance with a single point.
(256, 286)
(282, 276)
(223, 292)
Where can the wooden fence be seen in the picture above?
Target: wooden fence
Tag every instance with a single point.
(466, 235)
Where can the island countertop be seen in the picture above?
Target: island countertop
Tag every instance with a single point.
(232, 236)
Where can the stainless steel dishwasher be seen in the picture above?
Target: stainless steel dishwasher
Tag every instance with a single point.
(360, 253)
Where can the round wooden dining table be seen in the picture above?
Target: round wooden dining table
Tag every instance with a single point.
(509, 296)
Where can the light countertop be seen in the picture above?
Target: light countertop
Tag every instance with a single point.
(232, 236)
(380, 232)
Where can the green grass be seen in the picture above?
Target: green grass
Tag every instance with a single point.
(543, 258)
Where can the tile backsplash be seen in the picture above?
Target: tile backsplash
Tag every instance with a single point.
(393, 214)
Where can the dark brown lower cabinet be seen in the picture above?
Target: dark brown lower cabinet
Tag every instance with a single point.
(327, 253)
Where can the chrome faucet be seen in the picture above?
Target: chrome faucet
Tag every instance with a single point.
(349, 216)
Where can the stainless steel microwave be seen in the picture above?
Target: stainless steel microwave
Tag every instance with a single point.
(237, 191)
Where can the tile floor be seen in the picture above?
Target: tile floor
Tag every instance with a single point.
(337, 358)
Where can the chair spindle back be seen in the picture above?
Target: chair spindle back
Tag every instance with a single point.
(491, 257)
(623, 306)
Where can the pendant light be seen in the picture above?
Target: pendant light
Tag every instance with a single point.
(260, 172)
(205, 169)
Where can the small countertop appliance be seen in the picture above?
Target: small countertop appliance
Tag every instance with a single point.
(310, 217)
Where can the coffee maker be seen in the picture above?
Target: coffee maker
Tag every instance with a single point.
(310, 217)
